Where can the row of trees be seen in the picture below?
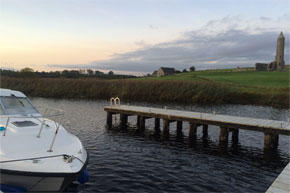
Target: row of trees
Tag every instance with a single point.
(191, 69)
(30, 73)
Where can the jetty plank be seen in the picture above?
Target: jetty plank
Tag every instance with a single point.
(253, 124)
(282, 182)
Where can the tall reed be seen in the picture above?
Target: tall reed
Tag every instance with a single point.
(156, 91)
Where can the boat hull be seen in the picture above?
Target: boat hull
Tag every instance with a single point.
(37, 182)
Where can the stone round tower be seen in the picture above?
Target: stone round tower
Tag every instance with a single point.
(279, 59)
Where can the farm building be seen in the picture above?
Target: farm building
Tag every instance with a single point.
(163, 71)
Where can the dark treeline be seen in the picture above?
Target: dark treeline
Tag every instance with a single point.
(30, 73)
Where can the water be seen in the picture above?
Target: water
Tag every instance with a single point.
(126, 162)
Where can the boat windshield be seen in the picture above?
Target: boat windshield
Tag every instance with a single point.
(1, 111)
(17, 105)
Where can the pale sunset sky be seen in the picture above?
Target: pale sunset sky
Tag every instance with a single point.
(139, 36)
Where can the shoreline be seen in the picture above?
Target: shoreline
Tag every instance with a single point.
(153, 91)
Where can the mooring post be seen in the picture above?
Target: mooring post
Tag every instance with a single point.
(123, 121)
(157, 126)
(192, 132)
(205, 130)
(270, 141)
(235, 135)
(138, 121)
(142, 125)
(276, 141)
(179, 127)
(109, 119)
(224, 133)
(166, 128)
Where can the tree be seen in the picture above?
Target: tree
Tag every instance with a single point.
(27, 72)
(184, 70)
(99, 73)
(192, 69)
(111, 73)
(90, 72)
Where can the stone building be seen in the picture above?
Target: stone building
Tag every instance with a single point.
(279, 62)
(163, 71)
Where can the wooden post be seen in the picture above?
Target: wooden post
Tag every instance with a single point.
(270, 141)
(235, 135)
(157, 126)
(192, 133)
(205, 130)
(142, 125)
(179, 127)
(223, 138)
(138, 122)
(109, 119)
(123, 121)
(276, 141)
(166, 128)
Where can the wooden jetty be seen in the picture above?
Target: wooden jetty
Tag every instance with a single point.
(282, 182)
(271, 128)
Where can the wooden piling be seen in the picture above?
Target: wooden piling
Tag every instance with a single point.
(123, 121)
(138, 121)
(179, 127)
(157, 126)
(142, 125)
(224, 133)
(235, 135)
(205, 130)
(109, 119)
(166, 128)
(276, 141)
(192, 132)
(270, 141)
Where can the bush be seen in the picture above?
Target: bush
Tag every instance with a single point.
(192, 69)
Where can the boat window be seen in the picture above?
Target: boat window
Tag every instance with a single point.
(1, 110)
(16, 105)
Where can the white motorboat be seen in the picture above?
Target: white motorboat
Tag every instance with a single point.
(36, 152)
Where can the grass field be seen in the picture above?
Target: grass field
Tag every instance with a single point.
(200, 87)
(243, 78)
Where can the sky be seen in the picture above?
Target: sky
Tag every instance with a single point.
(139, 36)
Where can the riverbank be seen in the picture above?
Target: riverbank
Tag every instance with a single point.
(154, 91)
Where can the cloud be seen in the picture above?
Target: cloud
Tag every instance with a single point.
(225, 43)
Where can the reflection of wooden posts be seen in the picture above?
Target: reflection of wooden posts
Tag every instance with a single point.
(205, 130)
(223, 138)
(270, 141)
(123, 121)
(192, 133)
(109, 119)
(166, 128)
(157, 126)
(179, 127)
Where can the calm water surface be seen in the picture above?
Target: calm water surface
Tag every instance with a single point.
(126, 162)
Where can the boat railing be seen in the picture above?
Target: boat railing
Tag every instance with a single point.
(55, 116)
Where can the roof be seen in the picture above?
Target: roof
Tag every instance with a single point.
(155, 72)
(281, 35)
(8, 92)
(168, 70)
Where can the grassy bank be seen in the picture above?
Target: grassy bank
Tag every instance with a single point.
(248, 78)
(199, 91)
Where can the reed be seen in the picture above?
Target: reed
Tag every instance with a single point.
(155, 91)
